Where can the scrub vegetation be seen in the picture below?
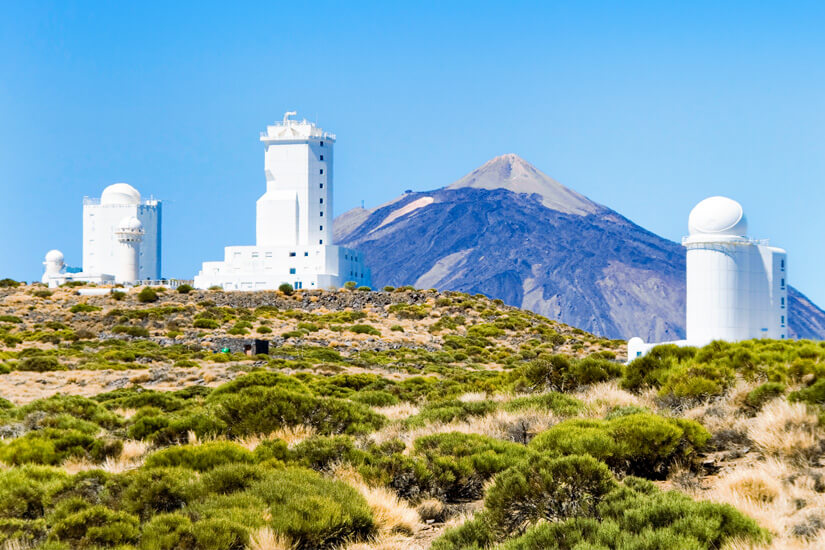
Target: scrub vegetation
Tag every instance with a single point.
(475, 426)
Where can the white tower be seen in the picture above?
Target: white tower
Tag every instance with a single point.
(297, 206)
(736, 287)
(129, 236)
(54, 267)
(101, 218)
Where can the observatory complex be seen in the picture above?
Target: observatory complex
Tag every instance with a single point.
(737, 287)
(121, 240)
(293, 220)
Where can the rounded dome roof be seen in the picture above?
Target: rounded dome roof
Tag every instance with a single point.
(54, 256)
(120, 193)
(130, 223)
(718, 216)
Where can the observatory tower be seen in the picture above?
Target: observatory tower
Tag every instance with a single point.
(293, 220)
(736, 287)
(129, 235)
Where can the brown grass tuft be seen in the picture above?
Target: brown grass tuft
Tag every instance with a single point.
(265, 538)
(391, 514)
(785, 429)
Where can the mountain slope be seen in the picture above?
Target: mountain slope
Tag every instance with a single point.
(533, 243)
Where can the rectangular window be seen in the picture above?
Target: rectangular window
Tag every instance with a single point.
(783, 283)
(322, 215)
(322, 144)
(783, 320)
(783, 301)
(292, 271)
(320, 185)
(322, 157)
(306, 253)
(322, 200)
(291, 254)
(321, 228)
(321, 241)
(322, 171)
(782, 264)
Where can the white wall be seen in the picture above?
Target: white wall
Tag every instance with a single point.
(101, 251)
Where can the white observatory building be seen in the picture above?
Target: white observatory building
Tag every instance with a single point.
(121, 240)
(737, 288)
(293, 220)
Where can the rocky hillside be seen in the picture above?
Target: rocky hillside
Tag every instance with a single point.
(511, 232)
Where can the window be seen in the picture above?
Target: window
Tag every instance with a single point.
(322, 157)
(322, 200)
(322, 215)
(320, 185)
(783, 320)
(321, 228)
(254, 254)
(783, 301)
(322, 171)
(321, 241)
(292, 271)
(306, 253)
(322, 144)
(783, 283)
(291, 254)
(782, 265)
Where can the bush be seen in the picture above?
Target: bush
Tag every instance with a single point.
(320, 452)
(84, 308)
(118, 295)
(350, 285)
(25, 492)
(760, 395)
(642, 444)
(150, 491)
(206, 323)
(135, 331)
(52, 446)
(397, 328)
(10, 319)
(551, 489)
(813, 394)
(558, 403)
(42, 293)
(200, 457)
(147, 294)
(363, 289)
(40, 363)
(364, 329)
(96, 525)
(450, 410)
(375, 398)
(8, 283)
(185, 289)
(314, 512)
(230, 478)
(286, 288)
(264, 330)
(168, 532)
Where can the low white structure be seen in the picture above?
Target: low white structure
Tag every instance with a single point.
(293, 221)
(737, 287)
(121, 240)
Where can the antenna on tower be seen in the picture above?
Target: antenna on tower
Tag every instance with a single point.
(289, 114)
(362, 203)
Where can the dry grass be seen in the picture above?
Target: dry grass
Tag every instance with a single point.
(391, 514)
(397, 412)
(293, 435)
(265, 538)
(16, 544)
(785, 429)
(601, 398)
(431, 509)
(131, 457)
(393, 542)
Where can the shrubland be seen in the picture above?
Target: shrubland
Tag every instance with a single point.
(413, 420)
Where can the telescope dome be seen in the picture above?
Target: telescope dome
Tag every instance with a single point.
(718, 216)
(120, 194)
(54, 256)
(131, 224)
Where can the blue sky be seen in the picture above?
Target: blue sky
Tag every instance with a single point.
(644, 107)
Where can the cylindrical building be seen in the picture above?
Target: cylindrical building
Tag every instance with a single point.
(54, 266)
(129, 235)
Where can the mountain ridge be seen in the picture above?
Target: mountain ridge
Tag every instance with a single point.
(578, 262)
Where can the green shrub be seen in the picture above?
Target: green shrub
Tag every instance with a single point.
(184, 289)
(314, 512)
(147, 294)
(544, 488)
(264, 330)
(25, 492)
(8, 283)
(813, 394)
(150, 491)
(136, 331)
(350, 285)
(450, 410)
(397, 328)
(230, 478)
(118, 295)
(10, 319)
(219, 533)
(200, 457)
(168, 532)
(475, 534)
(84, 308)
(558, 403)
(375, 398)
(364, 329)
(206, 323)
(363, 289)
(40, 363)
(320, 452)
(286, 288)
(51, 446)
(760, 395)
(261, 410)
(42, 293)
(642, 444)
(96, 525)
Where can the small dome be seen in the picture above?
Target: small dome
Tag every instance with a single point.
(54, 256)
(718, 216)
(131, 224)
(121, 194)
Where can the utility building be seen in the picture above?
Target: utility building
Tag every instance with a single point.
(737, 287)
(293, 220)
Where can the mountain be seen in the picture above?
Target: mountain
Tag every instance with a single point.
(509, 231)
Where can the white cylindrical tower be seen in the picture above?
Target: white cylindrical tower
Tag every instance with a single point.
(54, 267)
(129, 236)
(719, 272)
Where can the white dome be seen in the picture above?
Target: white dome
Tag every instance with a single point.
(120, 193)
(54, 256)
(718, 216)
